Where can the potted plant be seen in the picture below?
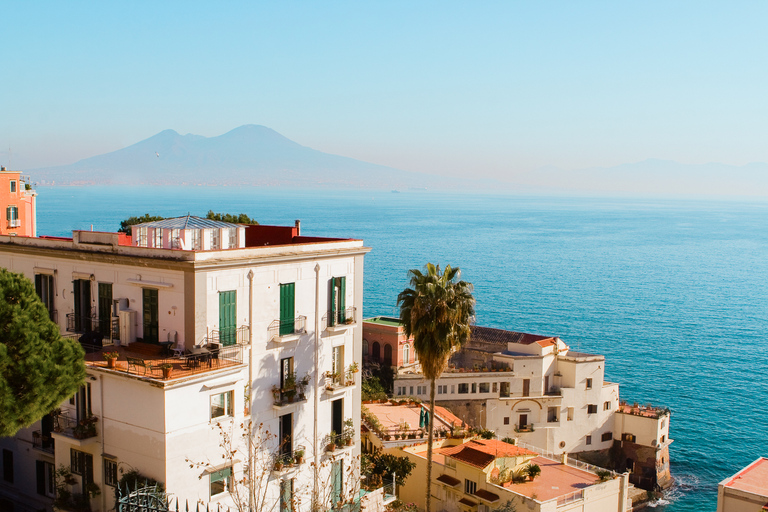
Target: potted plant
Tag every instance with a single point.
(86, 428)
(349, 320)
(278, 464)
(276, 394)
(349, 431)
(298, 456)
(331, 441)
(110, 358)
(354, 368)
(167, 368)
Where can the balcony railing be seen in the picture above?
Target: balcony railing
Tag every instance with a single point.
(340, 317)
(232, 336)
(280, 328)
(96, 332)
(70, 427)
(524, 428)
(43, 442)
(14, 223)
(334, 381)
(292, 458)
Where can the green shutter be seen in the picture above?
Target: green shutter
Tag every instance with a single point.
(332, 310)
(341, 285)
(336, 478)
(151, 316)
(287, 308)
(105, 309)
(227, 317)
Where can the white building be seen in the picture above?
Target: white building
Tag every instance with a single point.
(746, 491)
(257, 315)
(539, 391)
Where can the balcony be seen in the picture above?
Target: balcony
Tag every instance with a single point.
(341, 320)
(337, 382)
(232, 336)
(42, 442)
(283, 331)
(79, 433)
(522, 429)
(287, 460)
(96, 332)
(292, 391)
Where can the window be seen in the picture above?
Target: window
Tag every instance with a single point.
(13, 185)
(337, 313)
(286, 495)
(453, 388)
(506, 420)
(406, 354)
(570, 414)
(232, 238)
(286, 436)
(194, 239)
(421, 390)
(141, 237)
(589, 383)
(338, 364)
(663, 438)
(12, 214)
(463, 388)
(215, 239)
(110, 472)
(474, 387)
(663, 422)
(44, 289)
(589, 440)
(365, 349)
(552, 414)
(628, 437)
(221, 481)
(592, 409)
(287, 308)
(504, 389)
(157, 238)
(495, 386)
(175, 239)
(607, 406)
(442, 390)
(526, 387)
(46, 485)
(450, 463)
(485, 387)
(81, 463)
(8, 466)
(411, 390)
(469, 486)
(221, 404)
(607, 436)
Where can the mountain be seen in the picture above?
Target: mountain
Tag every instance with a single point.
(653, 177)
(248, 155)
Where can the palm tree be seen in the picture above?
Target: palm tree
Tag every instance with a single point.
(436, 311)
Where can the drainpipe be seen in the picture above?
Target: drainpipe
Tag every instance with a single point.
(103, 435)
(251, 497)
(315, 489)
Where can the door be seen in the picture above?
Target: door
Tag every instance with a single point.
(523, 421)
(286, 371)
(44, 289)
(105, 309)
(287, 309)
(546, 384)
(337, 416)
(82, 297)
(337, 314)
(150, 315)
(83, 402)
(337, 476)
(227, 317)
(286, 434)
(526, 387)
(338, 364)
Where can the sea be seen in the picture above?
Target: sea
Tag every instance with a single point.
(673, 291)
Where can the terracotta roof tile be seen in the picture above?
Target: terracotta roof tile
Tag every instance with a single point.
(502, 337)
(486, 495)
(448, 480)
(467, 502)
(481, 452)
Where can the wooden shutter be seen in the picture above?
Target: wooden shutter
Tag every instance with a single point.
(287, 308)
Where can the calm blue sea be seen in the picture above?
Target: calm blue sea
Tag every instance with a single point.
(673, 292)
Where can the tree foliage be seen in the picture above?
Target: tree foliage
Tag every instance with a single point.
(382, 467)
(125, 226)
(38, 368)
(436, 311)
(228, 217)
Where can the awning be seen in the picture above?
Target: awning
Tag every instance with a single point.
(467, 502)
(486, 495)
(448, 480)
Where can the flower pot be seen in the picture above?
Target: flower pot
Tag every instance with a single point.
(111, 363)
(331, 447)
(167, 373)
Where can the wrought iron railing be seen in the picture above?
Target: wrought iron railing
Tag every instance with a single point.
(279, 328)
(43, 442)
(340, 317)
(289, 458)
(231, 336)
(71, 427)
(82, 323)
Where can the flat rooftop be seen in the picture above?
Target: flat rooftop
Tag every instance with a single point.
(556, 480)
(391, 416)
(752, 479)
(383, 320)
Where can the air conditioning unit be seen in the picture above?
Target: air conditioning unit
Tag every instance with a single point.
(127, 326)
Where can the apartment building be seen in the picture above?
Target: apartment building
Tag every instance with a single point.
(536, 389)
(746, 491)
(385, 342)
(17, 201)
(258, 327)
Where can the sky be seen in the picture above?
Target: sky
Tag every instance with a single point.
(448, 88)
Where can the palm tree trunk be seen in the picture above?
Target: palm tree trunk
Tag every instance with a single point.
(429, 443)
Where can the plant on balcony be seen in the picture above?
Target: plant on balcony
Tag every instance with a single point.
(167, 369)
(354, 368)
(532, 470)
(348, 435)
(298, 456)
(86, 428)
(349, 320)
(331, 441)
(301, 386)
(65, 498)
(276, 394)
(110, 358)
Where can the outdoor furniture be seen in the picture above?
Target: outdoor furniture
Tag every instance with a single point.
(178, 350)
(135, 361)
(198, 355)
(166, 347)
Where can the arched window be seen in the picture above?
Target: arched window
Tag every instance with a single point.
(376, 351)
(388, 354)
(406, 354)
(365, 348)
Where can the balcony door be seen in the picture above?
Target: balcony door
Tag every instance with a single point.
(338, 290)
(82, 289)
(286, 434)
(105, 309)
(287, 308)
(337, 416)
(151, 316)
(227, 317)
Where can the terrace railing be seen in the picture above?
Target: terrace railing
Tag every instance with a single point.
(340, 317)
(279, 328)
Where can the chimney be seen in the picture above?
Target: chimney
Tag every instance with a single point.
(298, 227)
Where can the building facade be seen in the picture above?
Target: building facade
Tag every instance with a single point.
(537, 390)
(746, 491)
(259, 328)
(17, 203)
(385, 342)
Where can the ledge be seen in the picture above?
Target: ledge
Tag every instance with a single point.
(287, 405)
(339, 328)
(74, 441)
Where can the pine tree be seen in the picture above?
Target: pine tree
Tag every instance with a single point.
(38, 368)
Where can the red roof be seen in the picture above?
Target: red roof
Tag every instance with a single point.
(481, 452)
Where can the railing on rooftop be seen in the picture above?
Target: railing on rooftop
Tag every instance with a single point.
(340, 317)
(280, 328)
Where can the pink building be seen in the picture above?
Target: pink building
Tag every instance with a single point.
(384, 341)
(17, 200)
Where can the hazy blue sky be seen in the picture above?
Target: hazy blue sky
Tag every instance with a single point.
(444, 87)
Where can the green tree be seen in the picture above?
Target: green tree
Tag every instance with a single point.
(384, 466)
(125, 226)
(436, 311)
(228, 217)
(38, 368)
